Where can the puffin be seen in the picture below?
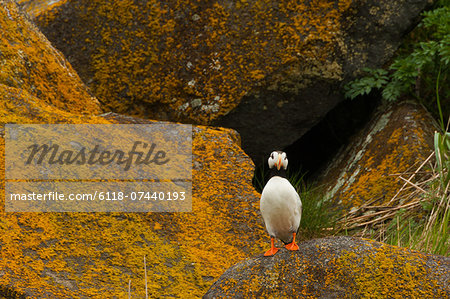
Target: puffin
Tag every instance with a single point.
(280, 205)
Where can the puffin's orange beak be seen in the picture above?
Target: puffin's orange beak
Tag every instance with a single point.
(278, 162)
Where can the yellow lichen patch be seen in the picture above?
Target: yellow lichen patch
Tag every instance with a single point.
(18, 106)
(95, 255)
(387, 272)
(336, 267)
(397, 142)
(209, 232)
(188, 60)
(29, 62)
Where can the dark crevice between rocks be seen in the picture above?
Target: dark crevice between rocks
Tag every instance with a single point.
(313, 151)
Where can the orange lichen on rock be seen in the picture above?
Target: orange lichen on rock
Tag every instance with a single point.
(20, 107)
(36, 7)
(95, 255)
(391, 271)
(210, 231)
(29, 62)
(396, 141)
(192, 60)
(337, 267)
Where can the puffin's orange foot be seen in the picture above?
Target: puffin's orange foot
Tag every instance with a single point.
(271, 251)
(292, 246)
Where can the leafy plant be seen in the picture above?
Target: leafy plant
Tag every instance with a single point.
(419, 218)
(376, 78)
(425, 67)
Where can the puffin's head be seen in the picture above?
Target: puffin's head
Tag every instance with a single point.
(278, 159)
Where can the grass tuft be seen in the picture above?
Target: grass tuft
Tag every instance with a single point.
(418, 216)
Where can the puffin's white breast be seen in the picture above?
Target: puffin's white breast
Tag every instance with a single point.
(281, 208)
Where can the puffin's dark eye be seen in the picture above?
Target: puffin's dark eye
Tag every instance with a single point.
(271, 156)
(285, 158)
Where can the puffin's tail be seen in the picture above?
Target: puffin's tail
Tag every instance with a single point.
(287, 242)
(290, 238)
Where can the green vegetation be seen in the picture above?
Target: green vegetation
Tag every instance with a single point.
(418, 216)
(421, 69)
(319, 216)
(428, 233)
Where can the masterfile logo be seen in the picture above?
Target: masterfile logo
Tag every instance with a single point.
(55, 155)
(102, 151)
(100, 168)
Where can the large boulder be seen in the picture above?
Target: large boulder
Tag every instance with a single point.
(60, 255)
(270, 69)
(394, 143)
(337, 267)
(29, 62)
(96, 255)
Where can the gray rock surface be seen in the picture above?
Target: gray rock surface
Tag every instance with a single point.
(337, 267)
(396, 140)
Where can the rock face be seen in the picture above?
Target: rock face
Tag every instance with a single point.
(396, 140)
(29, 62)
(337, 267)
(227, 63)
(95, 255)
